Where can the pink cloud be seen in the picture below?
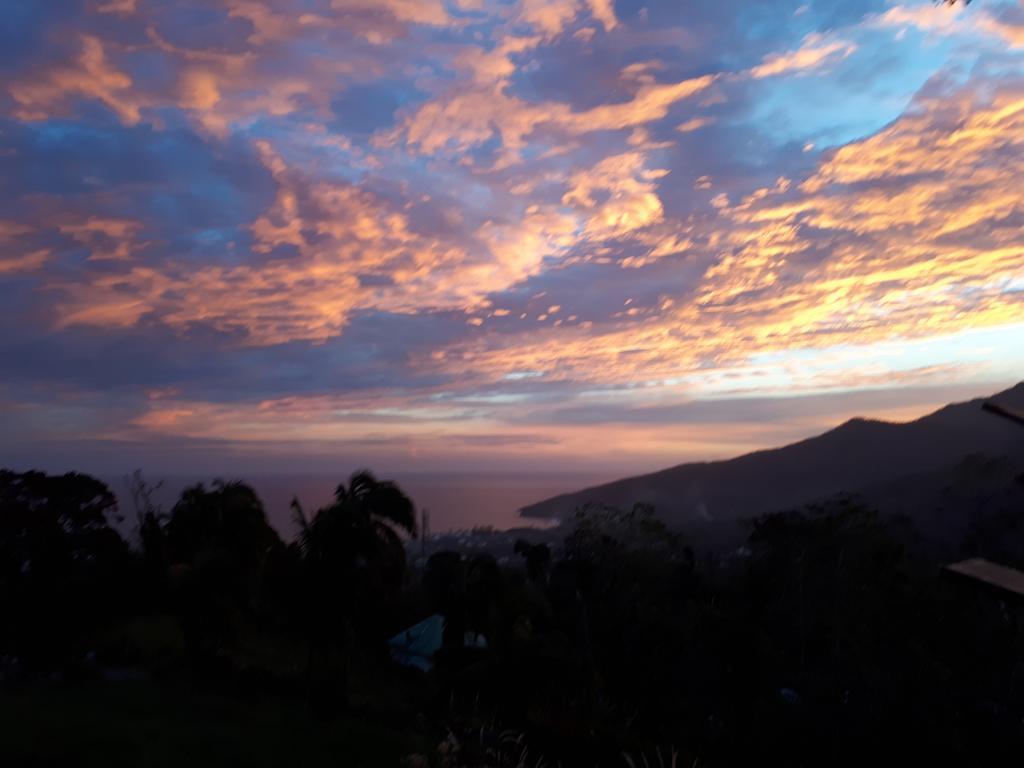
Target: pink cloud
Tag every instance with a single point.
(815, 53)
(49, 92)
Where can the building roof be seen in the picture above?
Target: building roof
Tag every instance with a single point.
(999, 577)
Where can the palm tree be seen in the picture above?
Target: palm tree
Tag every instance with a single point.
(360, 531)
(353, 557)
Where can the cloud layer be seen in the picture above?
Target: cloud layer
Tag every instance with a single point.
(404, 231)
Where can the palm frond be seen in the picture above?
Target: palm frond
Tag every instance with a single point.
(302, 523)
(389, 502)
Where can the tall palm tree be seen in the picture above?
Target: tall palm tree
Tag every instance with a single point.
(352, 558)
(360, 531)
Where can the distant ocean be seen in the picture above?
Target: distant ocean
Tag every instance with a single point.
(455, 501)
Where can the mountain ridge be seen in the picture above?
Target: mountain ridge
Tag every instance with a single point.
(858, 453)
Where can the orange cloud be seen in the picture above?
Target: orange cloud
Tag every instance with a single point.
(694, 124)
(413, 11)
(519, 248)
(815, 52)
(898, 236)
(1011, 33)
(116, 6)
(942, 20)
(215, 88)
(49, 92)
(895, 263)
(548, 16)
(17, 257)
(26, 262)
(552, 17)
(604, 12)
(628, 194)
(464, 119)
(490, 67)
(10, 230)
(106, 238)
(341, 234)
(384, 422)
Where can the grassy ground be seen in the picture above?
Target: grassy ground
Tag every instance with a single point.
(150, 725)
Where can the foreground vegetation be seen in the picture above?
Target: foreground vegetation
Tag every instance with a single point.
(827, 638)
(168, 725)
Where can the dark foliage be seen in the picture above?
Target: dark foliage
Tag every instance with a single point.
(60, 563)
(828, 638)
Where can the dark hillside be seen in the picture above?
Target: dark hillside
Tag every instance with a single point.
(854, 456)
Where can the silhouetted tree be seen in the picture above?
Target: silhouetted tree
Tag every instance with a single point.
(361, 530)
(444, 582)
(537, 558)
(353, 560)
(60, 561)
(600, 530)
(218, 543)
(149, 521)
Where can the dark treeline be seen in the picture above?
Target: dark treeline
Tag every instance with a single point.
(828, 638)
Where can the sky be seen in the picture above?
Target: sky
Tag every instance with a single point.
(497, 235)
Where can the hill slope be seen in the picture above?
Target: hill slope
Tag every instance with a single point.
(856, 455)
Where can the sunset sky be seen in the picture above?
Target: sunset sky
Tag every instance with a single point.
(289, 235)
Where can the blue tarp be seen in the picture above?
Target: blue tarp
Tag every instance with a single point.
(416, 646)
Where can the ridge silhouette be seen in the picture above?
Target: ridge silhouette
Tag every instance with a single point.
(854, 456)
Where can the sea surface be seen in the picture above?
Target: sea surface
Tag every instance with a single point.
(454, 501)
